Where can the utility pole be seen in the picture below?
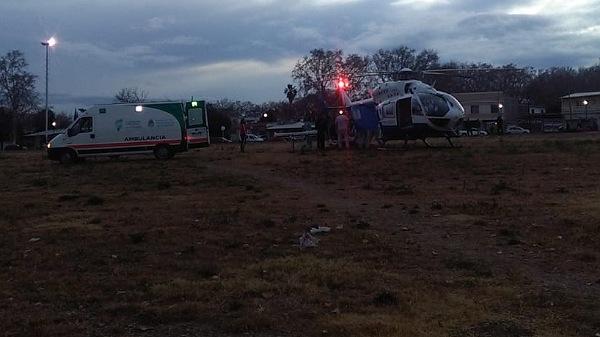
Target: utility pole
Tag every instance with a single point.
(50, 43)
(46, 124)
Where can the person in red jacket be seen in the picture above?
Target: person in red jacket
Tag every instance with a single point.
(243, 135)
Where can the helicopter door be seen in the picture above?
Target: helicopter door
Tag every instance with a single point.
(403, 112)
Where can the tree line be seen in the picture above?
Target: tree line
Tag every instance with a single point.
(317, 72)
(314, 75)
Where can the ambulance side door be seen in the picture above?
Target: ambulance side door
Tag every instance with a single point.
(81, 135)
(196, 124)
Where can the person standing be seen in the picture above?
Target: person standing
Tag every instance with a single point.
(342, 123)
(321, 125)
(500, 125)
(243, 135)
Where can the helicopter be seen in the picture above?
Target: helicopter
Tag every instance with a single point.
(407, 109)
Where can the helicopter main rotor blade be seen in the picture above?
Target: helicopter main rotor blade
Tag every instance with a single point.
(472, 69)
(447, 75)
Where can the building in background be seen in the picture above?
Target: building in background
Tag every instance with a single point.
(482, 109)
(537, 119)
(581, 111)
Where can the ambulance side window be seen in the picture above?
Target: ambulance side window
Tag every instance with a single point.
(195, 117)
(83, 125)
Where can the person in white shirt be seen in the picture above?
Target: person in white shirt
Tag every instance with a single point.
(342, 123)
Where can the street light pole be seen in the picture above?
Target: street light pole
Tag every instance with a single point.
(46, 109)
(50, 43)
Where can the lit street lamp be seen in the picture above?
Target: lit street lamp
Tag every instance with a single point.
(50, 43)
(585, 104)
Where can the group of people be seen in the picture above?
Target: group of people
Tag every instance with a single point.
(341, 127)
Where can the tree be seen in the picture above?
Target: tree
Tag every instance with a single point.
(5, 126)
(353, 69)
(35, 121)
(219, 115)
(551, 84)
(478, 77)
(216, 120)
(131, 95)
(391, 62)
(17, 88)
(317, 71)
(426, 59)
(62, 120)
(290, 92)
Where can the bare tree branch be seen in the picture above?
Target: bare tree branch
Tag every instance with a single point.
(131, 95)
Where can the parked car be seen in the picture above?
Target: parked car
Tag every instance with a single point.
(220, 140)
(472, 132)
(14, 147)
(516, 130)
(252, 138)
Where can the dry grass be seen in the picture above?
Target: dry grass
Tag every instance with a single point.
(498, 238)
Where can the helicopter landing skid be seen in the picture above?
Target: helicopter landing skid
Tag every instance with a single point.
(449, 139)
(381, 142)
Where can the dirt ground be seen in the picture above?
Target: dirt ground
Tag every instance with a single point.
(498, 238)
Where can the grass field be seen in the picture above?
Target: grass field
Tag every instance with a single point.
(498, 238)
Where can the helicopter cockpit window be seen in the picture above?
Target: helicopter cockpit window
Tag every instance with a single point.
(434, 105)
(416, 107)
(454, 102)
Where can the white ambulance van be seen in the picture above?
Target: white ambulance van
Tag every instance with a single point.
(159, 128)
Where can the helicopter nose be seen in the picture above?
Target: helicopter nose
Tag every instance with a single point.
(458, 113)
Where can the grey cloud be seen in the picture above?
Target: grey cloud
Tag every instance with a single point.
(82, 100)
(106, 45)
(184, 40)
(499, 25)
(127, 56)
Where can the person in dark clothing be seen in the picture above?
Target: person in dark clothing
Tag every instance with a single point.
(243, 135)
(321, 126)
(500, 125)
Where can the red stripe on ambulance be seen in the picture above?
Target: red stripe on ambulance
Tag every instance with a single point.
(128, 144)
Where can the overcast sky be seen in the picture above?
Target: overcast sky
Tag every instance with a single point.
(245, 49)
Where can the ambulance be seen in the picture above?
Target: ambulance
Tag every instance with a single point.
(159, 128)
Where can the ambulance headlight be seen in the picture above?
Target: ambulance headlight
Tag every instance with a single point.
(139, 108)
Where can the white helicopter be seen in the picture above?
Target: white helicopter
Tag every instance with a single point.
(408, 110)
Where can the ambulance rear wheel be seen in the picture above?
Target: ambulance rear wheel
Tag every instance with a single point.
(67, 157)
(163, 152)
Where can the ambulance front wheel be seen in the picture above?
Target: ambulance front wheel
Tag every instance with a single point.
(67, 156)
(163, 152)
